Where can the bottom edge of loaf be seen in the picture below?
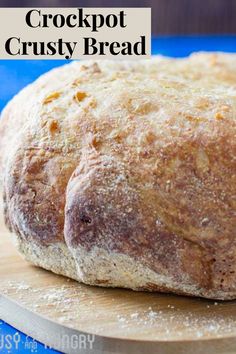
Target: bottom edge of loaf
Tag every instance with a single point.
(101, 268)
(55, 257)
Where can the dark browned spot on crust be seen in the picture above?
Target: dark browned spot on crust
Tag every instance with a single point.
(53, 126)
(85, 219)
(102, 281)
(80, 96)
(53, 96)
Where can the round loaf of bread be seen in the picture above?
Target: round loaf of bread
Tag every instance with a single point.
(123, 174)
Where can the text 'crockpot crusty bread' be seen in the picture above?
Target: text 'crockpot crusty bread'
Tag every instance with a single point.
(124, 173)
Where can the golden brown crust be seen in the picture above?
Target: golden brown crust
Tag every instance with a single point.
(133, 159)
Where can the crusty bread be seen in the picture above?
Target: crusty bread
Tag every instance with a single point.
(124, 173)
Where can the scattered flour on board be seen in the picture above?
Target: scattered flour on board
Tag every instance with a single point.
(170, 322)
(174, 324)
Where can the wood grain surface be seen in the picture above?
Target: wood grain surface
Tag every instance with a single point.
(114, 313)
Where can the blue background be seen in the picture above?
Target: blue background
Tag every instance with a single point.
(16, 74)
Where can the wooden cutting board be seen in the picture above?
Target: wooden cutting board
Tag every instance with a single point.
(47, 306)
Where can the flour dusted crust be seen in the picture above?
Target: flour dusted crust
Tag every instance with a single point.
(124, 173)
